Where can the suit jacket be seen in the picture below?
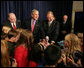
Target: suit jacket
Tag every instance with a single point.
(7, 23)
(52, 31)
(36, 31)
(64, 27)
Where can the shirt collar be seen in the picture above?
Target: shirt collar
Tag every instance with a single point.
(32, 21)
(12, 24)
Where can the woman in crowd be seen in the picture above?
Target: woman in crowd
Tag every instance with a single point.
(6, 61)
(22, 48)
(72, 43)
(29, 35)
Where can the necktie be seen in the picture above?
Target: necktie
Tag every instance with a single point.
(49, 24)
(33, 25)
(14, 27)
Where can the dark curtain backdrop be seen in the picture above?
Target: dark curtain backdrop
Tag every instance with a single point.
(23, 9)
(78, 26)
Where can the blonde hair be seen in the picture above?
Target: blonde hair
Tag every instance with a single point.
(19, 30)
(11, 14)
(27, 37)
(4, 54)
(73, 43)
(80, 35)
(6, 28)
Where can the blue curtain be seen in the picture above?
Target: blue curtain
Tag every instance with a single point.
(23, 9)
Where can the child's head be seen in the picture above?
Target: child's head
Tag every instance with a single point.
(47, 38)
(72, 42)
(36, 53)
(52, 42)
(26, 37)
(52, 54)
(6, 29)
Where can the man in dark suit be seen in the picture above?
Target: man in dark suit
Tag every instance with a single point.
(65, 27)
(12, 22)
(33, 25)
(51, 27)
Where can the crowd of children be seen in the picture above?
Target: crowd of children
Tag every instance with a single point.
(18, 50)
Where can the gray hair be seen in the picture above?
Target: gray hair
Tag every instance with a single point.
(50, 12)
(34, 10)
(10, 14)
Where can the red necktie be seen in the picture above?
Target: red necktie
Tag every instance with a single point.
(14, 27)
(33, 25)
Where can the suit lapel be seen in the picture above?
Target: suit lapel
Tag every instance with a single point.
(47, 26)
(51, 27)
(16, 24)
(36, 24)
(10, 25)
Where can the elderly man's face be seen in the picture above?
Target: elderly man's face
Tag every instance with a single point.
(35, 15)
(49, 17)
(65, 17)
(12, 18)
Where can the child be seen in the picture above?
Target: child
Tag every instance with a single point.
(35, 56)
(52, 54)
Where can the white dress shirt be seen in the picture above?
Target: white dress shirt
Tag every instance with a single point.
(12, 24)
(32, 22)
(49, 23)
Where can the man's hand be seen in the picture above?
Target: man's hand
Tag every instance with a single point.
(70, 60)
(64, 58)
(14, 63)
